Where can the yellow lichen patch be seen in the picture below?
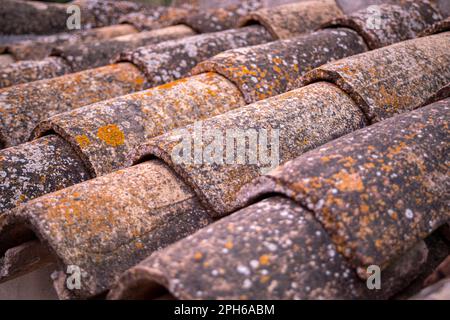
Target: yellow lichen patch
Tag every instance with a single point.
(82, 140)
(264, 279)
(111, 135)
(348, 182)
(264, 260)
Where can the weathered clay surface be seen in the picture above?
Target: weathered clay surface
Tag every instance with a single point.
(20, 17)
(220, 19)
(271, 250)
(109, 224)
(104, 133)
(304, 119)
(82, 56)
(172, 60)
(293, 19)
(41, 47)
(6, 59)
(160, 18)
(36, 168)
(439, 27)
(108, 12)
(22, 107)
(376, 191)
(386, 24)
(393, 79)
(266, 70)
(27, 71)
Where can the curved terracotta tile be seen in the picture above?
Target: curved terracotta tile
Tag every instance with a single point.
(386, 24)
(293, 19)
(105, 133)
(297, 121)
(271, 250)
(266, 70)
(393, 79)
(376, 191)
(106, 225)
(22, 107)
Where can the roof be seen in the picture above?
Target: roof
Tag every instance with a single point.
(116, 152)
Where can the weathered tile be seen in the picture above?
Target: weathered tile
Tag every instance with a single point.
(103, 134)
(407, 74)
(41, 47)
(266, 70)
(271, 250)
(293, 123)
(292, 19)
(386, 24)
(82, 56)
(35, 168)
(22, 107)
(171, 60)
(105, 226)
(376, 191)
(29, 70)
(219, 19)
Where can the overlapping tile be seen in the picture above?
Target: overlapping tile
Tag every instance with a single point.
(217, 184)
(423, 74)
(23, 106)
(271, 250)
(40, 47)
(159, 210)
(377, 191)
(282, 247)
(386, 24)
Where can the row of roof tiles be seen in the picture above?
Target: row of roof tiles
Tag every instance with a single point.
(109, 239)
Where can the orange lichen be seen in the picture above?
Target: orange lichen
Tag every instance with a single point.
(264, 260)
(348, 182)
(229, 244)
(198, 256)
(111, 135)
(82, 140)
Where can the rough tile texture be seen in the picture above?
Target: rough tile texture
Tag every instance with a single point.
(27, 71)
(266, 70)
(107, 12)
(271, 250)
(22, 107)
(20, 17)
(219, 19)
(439, 27)
(156, 19)
(407, 74)
(87, 225)
(306, 118)
(293, 19)
(37, 168)
(82, 56)
(376, 191)
(392, 24)
(42, 46)
(172, 60)
(104, 133)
